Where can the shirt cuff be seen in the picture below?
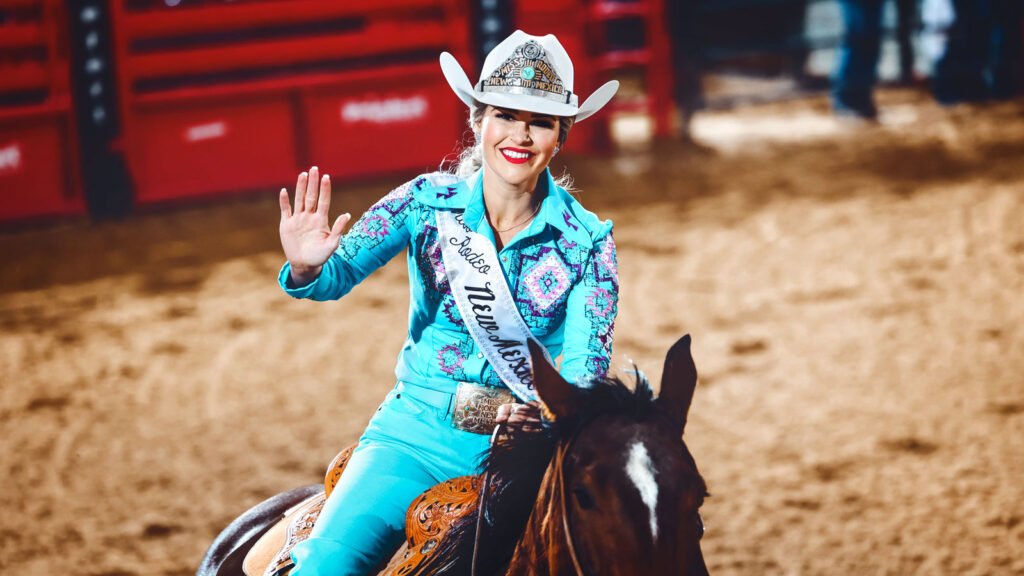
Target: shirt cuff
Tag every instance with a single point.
(285, 281)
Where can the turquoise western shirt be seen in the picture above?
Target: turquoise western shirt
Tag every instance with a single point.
(561, 271)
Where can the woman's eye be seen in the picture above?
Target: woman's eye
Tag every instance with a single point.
(544, 124)
(504, 115)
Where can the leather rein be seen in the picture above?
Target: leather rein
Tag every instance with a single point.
(560, 454)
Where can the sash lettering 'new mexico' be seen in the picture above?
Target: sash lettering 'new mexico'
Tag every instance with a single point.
(486, 304)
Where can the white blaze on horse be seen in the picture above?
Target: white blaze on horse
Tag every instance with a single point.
(608, 488)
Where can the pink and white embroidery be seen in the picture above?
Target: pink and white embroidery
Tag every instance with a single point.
(607, 257)
(601, 303)
(547, 281)
(374, 225)
(451, 312)
(450, 359)
(437, 265)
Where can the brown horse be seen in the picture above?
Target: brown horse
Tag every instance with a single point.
(609, 488)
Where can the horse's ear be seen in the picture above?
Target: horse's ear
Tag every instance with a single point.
(555, 392)
(678, 381)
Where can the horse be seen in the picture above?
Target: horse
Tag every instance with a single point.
(609, 487)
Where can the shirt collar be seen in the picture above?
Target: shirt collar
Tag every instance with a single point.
(555, 210)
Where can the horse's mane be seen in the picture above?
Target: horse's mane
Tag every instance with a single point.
(516, 468)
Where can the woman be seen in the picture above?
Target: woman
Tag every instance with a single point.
(498, 253)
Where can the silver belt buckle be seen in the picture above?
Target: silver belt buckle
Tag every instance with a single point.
(476, 407)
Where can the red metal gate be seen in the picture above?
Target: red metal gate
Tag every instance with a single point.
(583, 26)
(220, 98)
(37, 158)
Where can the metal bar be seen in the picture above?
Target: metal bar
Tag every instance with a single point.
(230, 17)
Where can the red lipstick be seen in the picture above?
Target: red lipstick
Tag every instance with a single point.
(516, 155)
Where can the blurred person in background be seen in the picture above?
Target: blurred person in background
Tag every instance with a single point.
(982, 58)
(687, 59)
(499, 253)
(858, 54)
(856, 71)
(765, 38)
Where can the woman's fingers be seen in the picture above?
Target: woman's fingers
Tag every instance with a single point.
(323, 203)
(286, 207)
(339, 225)
(504, 411)
(300, 192)
(312, 193)
(520, 418)
(312, 188)
(518, 414)
(524, 415)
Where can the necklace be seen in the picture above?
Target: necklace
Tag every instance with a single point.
(517, 224)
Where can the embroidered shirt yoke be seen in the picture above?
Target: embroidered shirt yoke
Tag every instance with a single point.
(561, 271)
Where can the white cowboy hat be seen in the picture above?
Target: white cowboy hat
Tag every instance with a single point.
(524, 72)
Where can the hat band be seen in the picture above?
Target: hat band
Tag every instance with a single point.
(568, 98)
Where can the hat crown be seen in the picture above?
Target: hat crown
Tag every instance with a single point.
(521, 55)
(525, 72)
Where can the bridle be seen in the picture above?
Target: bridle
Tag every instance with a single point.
(560, 454)
(560, 471)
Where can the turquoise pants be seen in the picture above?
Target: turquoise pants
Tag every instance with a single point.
(408, 446)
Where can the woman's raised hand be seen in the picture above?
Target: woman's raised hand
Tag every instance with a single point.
(306, 237)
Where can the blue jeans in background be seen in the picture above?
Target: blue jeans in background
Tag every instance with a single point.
(857, 59)
(983, 54)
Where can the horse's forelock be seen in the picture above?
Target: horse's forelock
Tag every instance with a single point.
(601, 397)
(610, 396)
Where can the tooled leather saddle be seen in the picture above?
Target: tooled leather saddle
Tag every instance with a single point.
(427, 521)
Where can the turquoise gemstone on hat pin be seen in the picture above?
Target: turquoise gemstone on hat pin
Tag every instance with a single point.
(528, 73)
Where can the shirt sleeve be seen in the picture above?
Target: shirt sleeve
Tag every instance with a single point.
(590, 316)
(380, 234)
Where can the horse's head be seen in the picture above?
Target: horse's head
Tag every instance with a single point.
(629, 488)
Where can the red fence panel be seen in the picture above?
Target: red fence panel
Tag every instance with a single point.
(225, 98)
(33, 167)
(409, 119)
(583, 28)
(202, 149)
(37, 174)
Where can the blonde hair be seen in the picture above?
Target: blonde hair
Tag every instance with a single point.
(471, 158)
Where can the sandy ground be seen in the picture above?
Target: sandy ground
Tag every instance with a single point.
(855, 294)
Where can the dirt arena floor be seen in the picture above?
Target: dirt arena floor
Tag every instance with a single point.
(855, 295)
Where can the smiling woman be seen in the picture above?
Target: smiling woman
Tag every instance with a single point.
(499, 226)
(517, 147)
(493, 130)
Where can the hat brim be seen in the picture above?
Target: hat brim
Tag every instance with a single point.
(460, 84)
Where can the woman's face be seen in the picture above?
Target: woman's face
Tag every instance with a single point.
(518, 145)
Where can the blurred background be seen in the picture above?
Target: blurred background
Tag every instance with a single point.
(828, 195)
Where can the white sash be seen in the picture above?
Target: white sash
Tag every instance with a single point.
(486, 304)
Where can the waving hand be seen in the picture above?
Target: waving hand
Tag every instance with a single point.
(307, 238)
